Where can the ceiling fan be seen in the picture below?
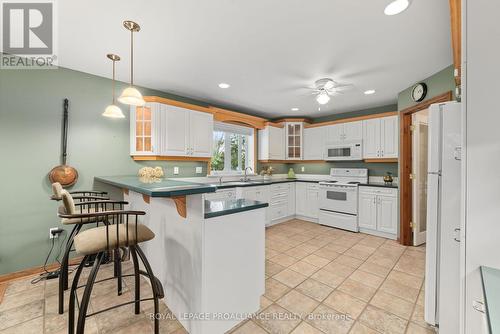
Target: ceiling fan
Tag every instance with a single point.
(326, 87)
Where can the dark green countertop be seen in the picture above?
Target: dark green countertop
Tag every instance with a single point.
(217, 208)
(491, 290)
(158, 187)
(379, 184)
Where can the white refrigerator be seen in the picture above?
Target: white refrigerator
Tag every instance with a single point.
(442, 272)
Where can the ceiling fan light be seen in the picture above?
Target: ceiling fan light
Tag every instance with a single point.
(396, 7)
(113, 111)
(323, 98)
(131, 96)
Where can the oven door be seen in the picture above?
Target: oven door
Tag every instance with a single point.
(339, 198)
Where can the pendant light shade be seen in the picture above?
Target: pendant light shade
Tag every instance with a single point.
(323, 98)
(131, 95)
(113, 111)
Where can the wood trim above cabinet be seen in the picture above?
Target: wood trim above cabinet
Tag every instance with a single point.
(292, 120)
(381, 160)
(456, 37)
(274, 124)
(177, 103)
(167, 158)
(223, 115)
(352, 119)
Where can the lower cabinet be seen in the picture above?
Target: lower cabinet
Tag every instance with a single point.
(307, 200)
(378, 211)
(282, 201)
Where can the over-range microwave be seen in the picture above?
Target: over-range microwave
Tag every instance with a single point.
(344, 151)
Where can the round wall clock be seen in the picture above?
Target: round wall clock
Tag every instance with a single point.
(419, 92)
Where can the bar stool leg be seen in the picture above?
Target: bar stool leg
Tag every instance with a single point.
(154, 285)
(72, 296)
(118, 270)
(82, 314)
(63, 270)
(137, 283)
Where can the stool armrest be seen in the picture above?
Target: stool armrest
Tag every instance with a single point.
(89, 192)
(103, 213)
(100, 202)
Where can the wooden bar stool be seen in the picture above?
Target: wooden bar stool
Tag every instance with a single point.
(121, 230)
(87, 206)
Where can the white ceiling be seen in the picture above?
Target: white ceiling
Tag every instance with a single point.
(268, 50)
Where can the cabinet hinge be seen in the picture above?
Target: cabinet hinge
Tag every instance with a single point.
(412, 176)
(411, 225)
(412, 128)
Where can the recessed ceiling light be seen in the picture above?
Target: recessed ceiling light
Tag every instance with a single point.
(370, 92)
(295, 109)
(396, 7)
(224, 85)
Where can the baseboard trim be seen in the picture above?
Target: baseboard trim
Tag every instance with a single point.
(3, 287)
(14, 276)
(378, 233)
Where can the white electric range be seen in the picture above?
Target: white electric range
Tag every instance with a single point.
(338, 198)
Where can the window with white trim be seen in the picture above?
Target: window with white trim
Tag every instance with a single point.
(233, 149)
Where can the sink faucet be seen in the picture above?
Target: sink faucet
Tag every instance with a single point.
(246, 177)
(220, 179)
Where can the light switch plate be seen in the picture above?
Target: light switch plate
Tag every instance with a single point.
(199, 170)
(303, 169)
(176, 170)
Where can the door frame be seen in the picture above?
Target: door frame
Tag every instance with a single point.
(405, 165)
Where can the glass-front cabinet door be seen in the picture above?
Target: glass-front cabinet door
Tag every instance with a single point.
(142, 129)
(294, 141)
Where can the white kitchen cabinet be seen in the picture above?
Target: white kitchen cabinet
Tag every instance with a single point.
(282, 201)
(271, 143)
(186, 132)
(371, 138)
(314, 143)
(145, 129)
(307, 200)
(380, 138)
(378, 211)
(389, 137)
(367, 213)
(294, 140)
(349, 131)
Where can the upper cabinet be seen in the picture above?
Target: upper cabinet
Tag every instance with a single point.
(145, 123)
(294, 140)
(272, 143)
(160, 129)
(380, 138)
(350, 131)
(186, 132)
(314, 141)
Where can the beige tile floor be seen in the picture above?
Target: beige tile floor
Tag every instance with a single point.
(318, 280)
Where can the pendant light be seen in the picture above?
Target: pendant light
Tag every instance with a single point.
(113, 111)
(131, 95)
(323, 97)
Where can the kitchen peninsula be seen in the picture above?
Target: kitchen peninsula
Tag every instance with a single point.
(208, 254)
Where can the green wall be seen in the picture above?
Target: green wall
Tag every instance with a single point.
(439, 83)
(364, 112)
(30, 137)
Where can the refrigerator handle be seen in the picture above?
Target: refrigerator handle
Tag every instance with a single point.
(457, 231)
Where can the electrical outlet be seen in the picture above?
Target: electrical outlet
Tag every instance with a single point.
(199, 170)
(303, 169)
(176, 170)
(56, 235)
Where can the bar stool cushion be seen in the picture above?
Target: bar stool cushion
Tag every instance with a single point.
(94, 240)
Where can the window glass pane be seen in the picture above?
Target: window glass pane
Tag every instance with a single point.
(138, 128)
(218, 151)
(291, 141)
(147, 144)
(297, 129)
(291, 131)
(297, 141)
(290, 152)
(297, 152)
(138, 114)
(147, 113)
(138, 143)
(147, 128)
(234, 151)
